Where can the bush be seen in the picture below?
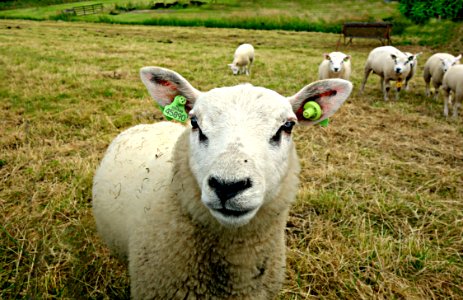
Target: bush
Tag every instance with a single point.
(420, 11)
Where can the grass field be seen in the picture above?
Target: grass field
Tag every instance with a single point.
(380, 209)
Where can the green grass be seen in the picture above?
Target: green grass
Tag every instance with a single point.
(296, 15)
(286, 15)
(378, 214)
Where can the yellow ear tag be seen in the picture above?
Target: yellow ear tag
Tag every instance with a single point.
(399, 84)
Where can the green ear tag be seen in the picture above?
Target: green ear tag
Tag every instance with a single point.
(324, 123)
(313, 112)
(176, 110)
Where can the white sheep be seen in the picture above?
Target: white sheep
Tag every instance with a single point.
(435, 68)
(335, 65)
(413, 68)
(243, 59)
(453, 82)
(390, 64)
(200, 211)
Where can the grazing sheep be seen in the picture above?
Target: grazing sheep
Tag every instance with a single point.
(200, 211)
(413, 68)
(435, 68)
(390, 64)
(243, 59)
(453, 82)
(335, 65)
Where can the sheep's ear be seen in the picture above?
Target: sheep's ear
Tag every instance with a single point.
(394, 57)
(458, 58)
(330, 94)
(164, 84)
(347, 58)
(411, 57)
(327, 56)
(418, 54)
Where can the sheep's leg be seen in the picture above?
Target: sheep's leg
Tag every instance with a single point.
(248, 72)
(436, 89)
(456, 104)
(428, 93)
(398, 87)
(427, 80)
(407, 88)
(446, 102)
(387, 87)
(365, 78)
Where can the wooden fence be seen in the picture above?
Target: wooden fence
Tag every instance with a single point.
(85, 9)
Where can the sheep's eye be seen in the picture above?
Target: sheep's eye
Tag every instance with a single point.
(194, 123)
(195, 126)
(286, 127)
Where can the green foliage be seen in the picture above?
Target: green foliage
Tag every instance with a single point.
(13, 4)
(420, 11)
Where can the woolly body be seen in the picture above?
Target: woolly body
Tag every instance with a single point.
(169, 198)
(335, 65)
(242, 60)
(453, 82)
(389, 63)
(435, 68)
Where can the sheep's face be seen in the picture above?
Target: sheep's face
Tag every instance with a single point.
(235, 69)
(446, 63)
(337, 60)
(402, 63)
(240, 143)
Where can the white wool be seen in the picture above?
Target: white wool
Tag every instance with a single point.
(242, 60)
(390, 64)
(435, 68)
(453, 83)
(200, 211)
(414, 67)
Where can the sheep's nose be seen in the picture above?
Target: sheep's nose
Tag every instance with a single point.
(398, 70)
(336, 69)
(228, 189)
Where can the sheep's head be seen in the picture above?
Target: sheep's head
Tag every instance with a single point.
(240, 139)
(447, 63)
(402, 63)
(337, 60)
(235, 69)
(414, 62)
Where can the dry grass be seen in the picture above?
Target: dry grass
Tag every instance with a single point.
(380, 210)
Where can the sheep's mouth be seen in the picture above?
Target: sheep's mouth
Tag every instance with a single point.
(233, 213)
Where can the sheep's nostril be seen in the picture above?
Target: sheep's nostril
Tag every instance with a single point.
(226, 190)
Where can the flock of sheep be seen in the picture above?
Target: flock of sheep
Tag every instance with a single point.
(391, 64)
(199, 211)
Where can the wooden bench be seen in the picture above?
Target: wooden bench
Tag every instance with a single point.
(84, 9)
(375, 30)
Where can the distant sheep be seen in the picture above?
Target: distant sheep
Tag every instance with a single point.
(413, 68)
(200, 211)
(435, 68)
(243, 59)
(453, 82)
(390, 64)
(335, 65)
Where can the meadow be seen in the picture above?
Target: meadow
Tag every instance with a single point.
(379, 214)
